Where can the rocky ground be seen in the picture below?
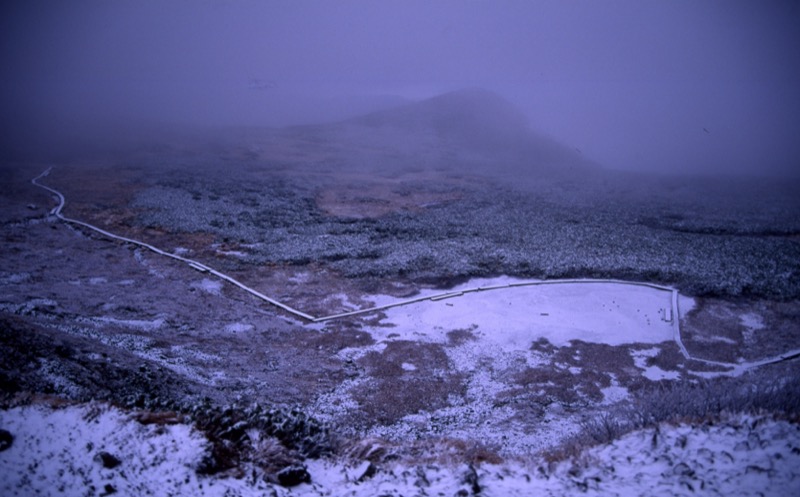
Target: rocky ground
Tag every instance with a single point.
(85, 318)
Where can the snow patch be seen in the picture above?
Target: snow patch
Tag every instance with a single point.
(640, 356)
(686, 304)
(752, 321)
(213, 287)
(137, 324)
(614, 394)
(495, 329)
(238, 328)
(654, 373)
(300, 277)
(513, 317)
(232, 253)
(713, 339)
(58, 450)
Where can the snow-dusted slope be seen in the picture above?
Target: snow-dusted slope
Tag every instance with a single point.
(98, 450)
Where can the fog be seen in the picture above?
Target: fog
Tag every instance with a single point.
(689, 86)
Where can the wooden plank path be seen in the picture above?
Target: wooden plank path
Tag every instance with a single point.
(673, 314)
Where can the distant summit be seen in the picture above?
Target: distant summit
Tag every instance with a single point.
(482, 126)
(467, 112)
(467, 130)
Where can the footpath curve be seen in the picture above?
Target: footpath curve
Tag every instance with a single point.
(203, 268)
(199, 266)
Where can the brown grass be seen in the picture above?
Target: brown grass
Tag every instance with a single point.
(443, 451)
(395, 392)
(364, 197)
(461, 336)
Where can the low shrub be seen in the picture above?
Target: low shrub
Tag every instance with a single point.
(237, 435)
(774, 390)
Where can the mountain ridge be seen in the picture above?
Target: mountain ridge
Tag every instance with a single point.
(472, 125)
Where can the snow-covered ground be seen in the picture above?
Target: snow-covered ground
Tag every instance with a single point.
(499, 326)
(94, 449)
(600, 312)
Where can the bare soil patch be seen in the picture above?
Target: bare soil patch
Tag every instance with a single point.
(361, 198)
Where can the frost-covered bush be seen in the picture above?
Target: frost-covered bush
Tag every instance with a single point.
(775, 391)
(243, 434)
(705, 246)
(765, 390)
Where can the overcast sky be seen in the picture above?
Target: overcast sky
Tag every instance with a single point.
(687, 85)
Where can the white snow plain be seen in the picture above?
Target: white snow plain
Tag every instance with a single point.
(513, 317)
(502, 324)
(56, 451)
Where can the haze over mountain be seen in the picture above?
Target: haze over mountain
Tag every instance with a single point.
(701, 86)
(465, 130)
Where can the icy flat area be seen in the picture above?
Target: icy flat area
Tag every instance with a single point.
(599, 312)
(499, 326)
(94, 449)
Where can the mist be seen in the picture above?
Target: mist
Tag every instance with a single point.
(694, 87)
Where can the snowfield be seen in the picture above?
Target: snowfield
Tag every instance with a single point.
(510, 318)
(498, 326)
(128, 370)
(95, 449)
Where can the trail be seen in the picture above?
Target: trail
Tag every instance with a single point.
(199, 266)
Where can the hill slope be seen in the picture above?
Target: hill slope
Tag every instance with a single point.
(465, 130)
